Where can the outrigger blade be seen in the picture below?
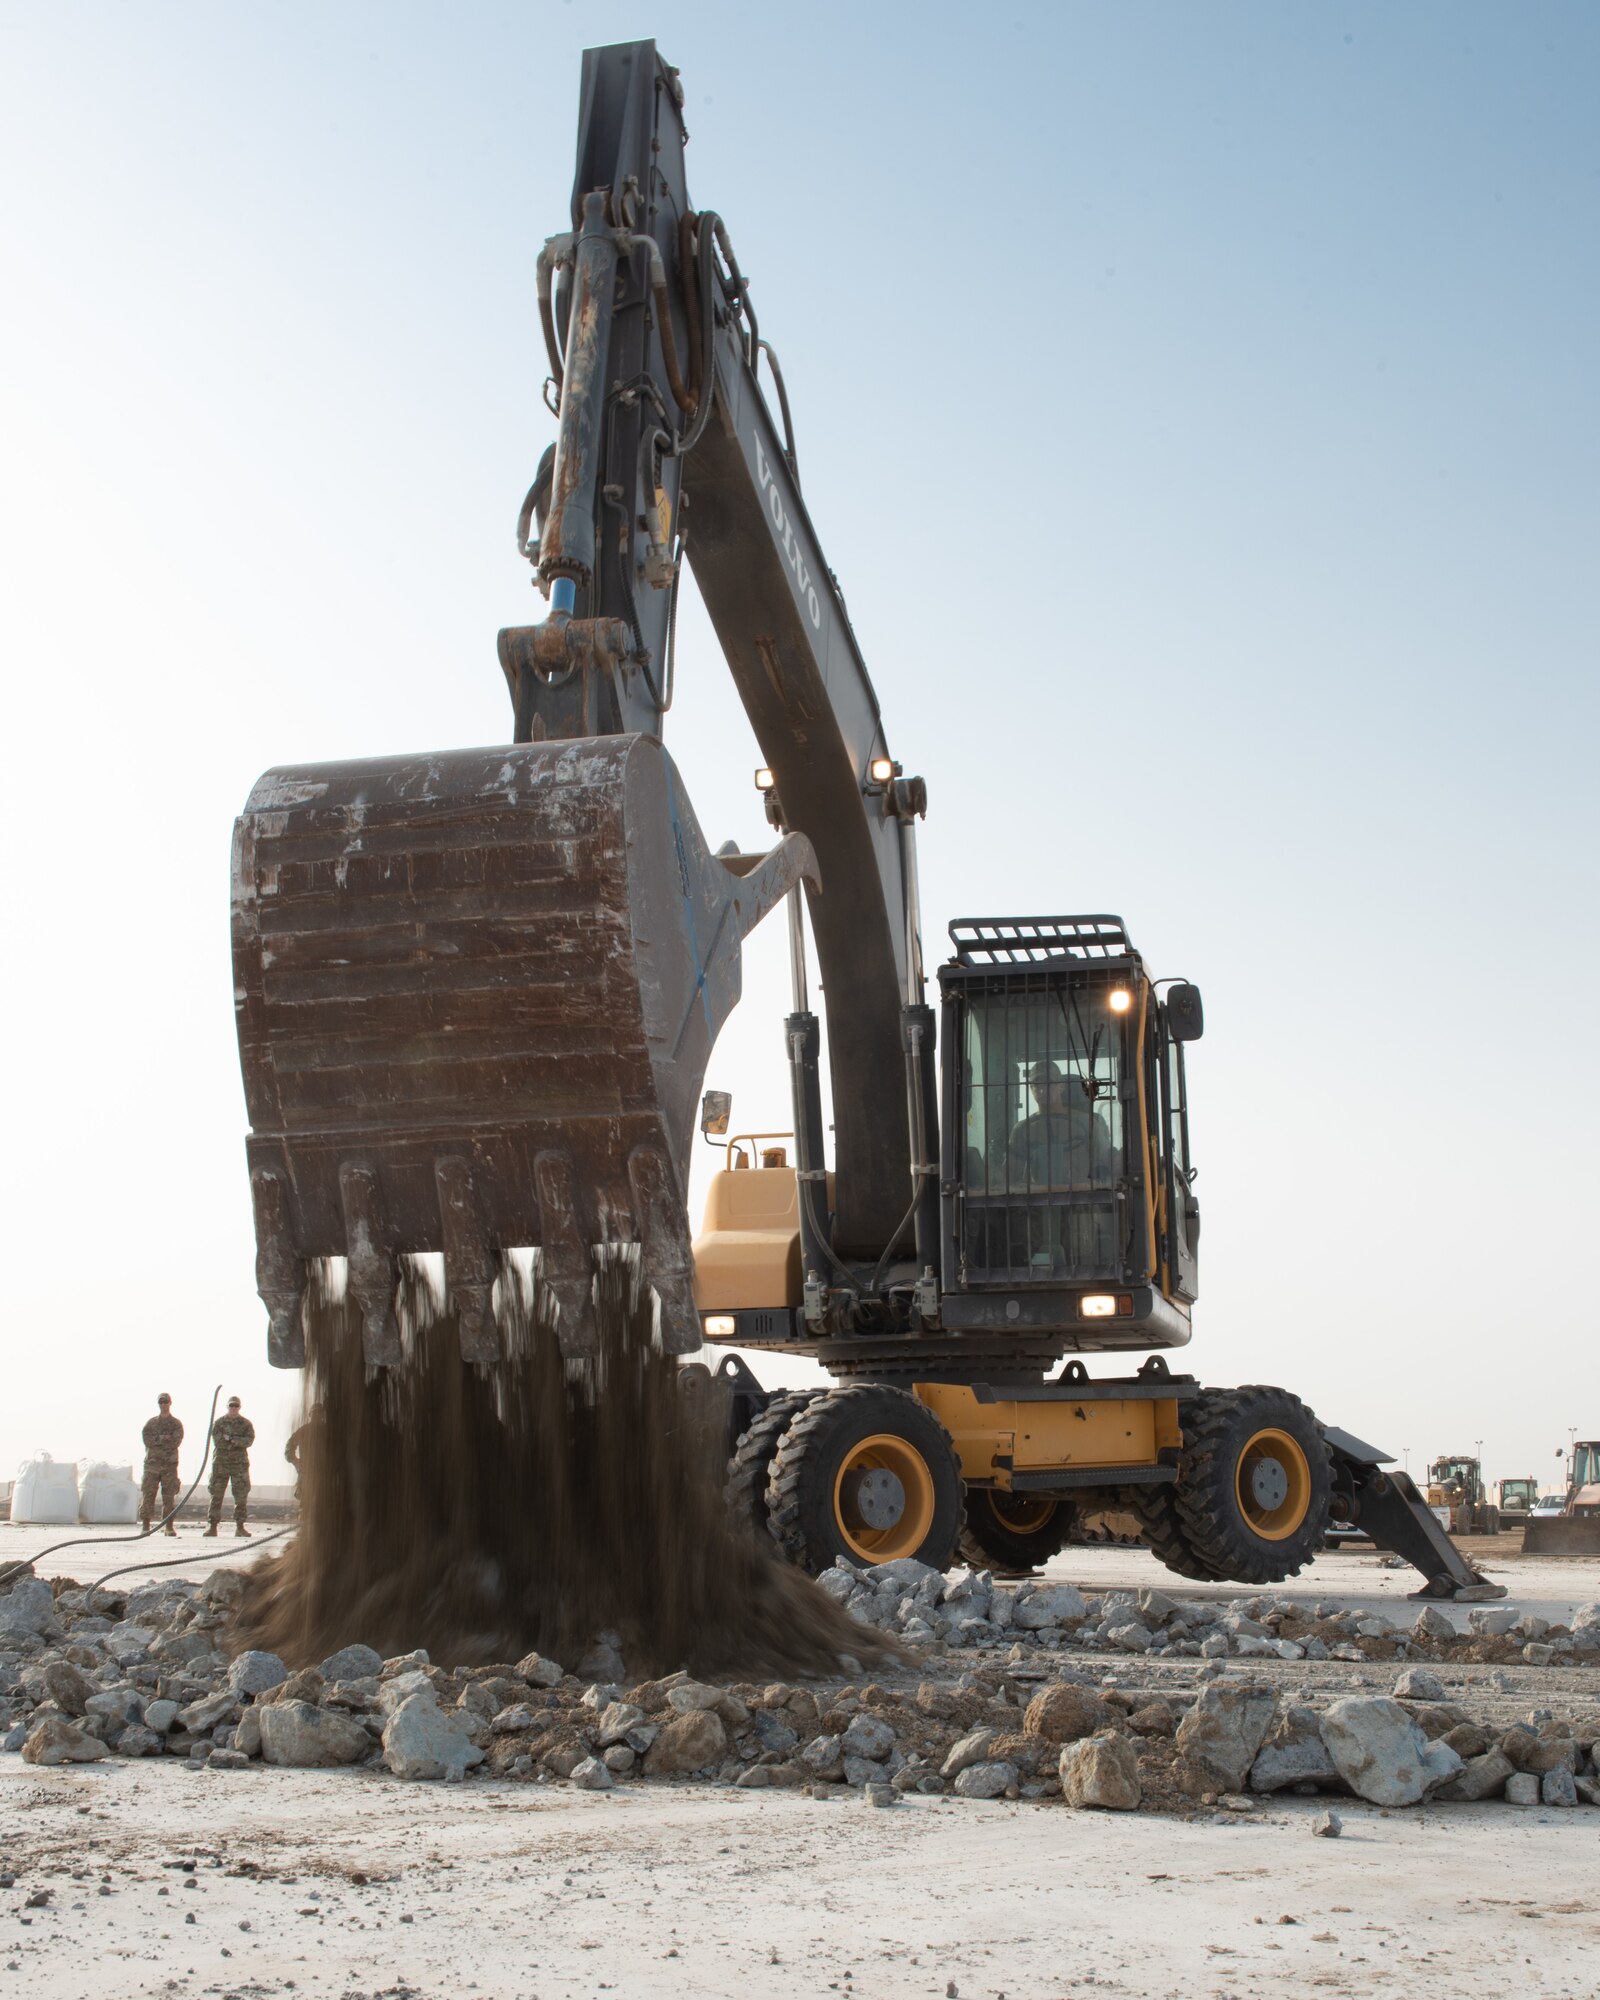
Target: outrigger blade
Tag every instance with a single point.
(476, 995)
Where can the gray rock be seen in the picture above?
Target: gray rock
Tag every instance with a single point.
(690, 1696)
(868, 1735)
(29, 1606)
(1493, 1620)
(839, 1583)
(539, 1671)
(1155, 1607)
(513, 1720)
(247, 1736)
(253, 1673)
(1293, 1754)
(138, 1741)
(203, 1715)
(985, 1781)
(1588, 1789)
(621, 1757)
(57, 1741)
(1482, 1777)
(1048, 1604)
(299, 1736)
(909, 1577)
(421, 1742)
(823, 1757)
(116, 1706)
(616, 1720)
(1101, 1771)
(1538, 1655)
(1523, 1788)
(879, 1794)
(1418, 1684)
(1431, 1623)
(773, 1733)
(160, 1715)
(1222, 1734)
(969, 1750)
(66, 1686)
(592, 1776)
(864, 1771)
(1379, 1751)
(1327, 1826)
(1130, 1637)
(227, 1760)
(1558, 1787)
(352, 1663)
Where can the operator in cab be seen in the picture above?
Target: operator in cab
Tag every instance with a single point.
(1067, 1141)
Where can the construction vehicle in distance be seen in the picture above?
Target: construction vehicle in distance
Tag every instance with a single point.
(1575, 1531)
(1458, 1495)
(477, 992)
(1516, 1499)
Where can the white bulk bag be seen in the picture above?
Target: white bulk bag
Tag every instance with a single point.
(45, 1492)
(108, 1493)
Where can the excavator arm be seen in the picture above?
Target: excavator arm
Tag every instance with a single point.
(477, 990)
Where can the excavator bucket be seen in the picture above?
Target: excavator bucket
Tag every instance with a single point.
(476, 995)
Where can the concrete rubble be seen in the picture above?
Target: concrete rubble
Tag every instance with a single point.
(1011, 1693)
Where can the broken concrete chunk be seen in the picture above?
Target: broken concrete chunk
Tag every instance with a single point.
(1101, 1771)
(253, 1673)
(1378, 1750)
(1064, 1712)
(968, 1750)
(421, 1742)
(1293, 1754)
(985, 1781)
(351, 1663)
(1222, 1734)
(57, 1741)
(687, 1743)
(298, 1736)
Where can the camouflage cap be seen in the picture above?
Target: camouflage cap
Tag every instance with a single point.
(163, 1397)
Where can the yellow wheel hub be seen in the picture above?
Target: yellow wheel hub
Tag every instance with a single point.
(1273, 1485)
(1022, 1513)
(883, 1499)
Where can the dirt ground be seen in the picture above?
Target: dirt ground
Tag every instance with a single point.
(341, 1884)
(348, 1885)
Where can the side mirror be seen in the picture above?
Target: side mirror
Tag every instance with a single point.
(1186, 1017)
(716, 1108)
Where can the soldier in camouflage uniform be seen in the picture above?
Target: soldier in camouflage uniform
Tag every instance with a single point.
(162, 1436)
(231, 1439)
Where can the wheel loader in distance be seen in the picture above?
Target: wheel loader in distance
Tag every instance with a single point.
(477, 992)
(1575, 1531)
(1516, 1499)
(1458, 1495)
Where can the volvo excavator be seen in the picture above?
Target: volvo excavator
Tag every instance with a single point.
(477, 992)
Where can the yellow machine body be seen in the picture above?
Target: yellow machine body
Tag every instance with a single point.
(996, 1442)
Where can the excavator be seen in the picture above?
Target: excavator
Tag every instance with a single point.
(477, 992)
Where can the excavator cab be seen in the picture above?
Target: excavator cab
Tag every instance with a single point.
(1067, 1182)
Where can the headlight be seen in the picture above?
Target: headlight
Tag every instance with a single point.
(881, 770)
(764, 779)
(1121, 999)
(1098, 1305)
(720, 1326)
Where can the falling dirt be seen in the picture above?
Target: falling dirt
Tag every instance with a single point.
(483, 1511)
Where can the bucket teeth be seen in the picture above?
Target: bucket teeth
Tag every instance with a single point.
(476, 995)
(373, 1277)
(280, 1274)
(568, 1260)
(664, 1239)
(468, 1267)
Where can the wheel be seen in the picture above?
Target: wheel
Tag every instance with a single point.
(865, 1475)
(745, 1487)
(1164, 1534)
(1254, 1485)
(1013, 1533)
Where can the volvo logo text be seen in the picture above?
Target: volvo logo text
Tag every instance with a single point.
(785, 533)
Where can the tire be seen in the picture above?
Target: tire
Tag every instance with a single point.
(1254, 1487)
(1164, 1534)
(1013, 1533)
(745, 1487)
(826, 1507)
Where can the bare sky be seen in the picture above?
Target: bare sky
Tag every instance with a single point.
(1198, 405)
